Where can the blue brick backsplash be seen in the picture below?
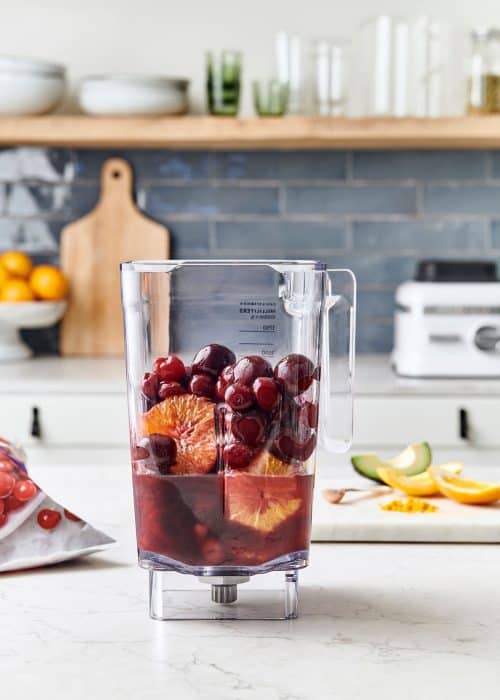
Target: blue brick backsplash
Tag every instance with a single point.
(376, 212)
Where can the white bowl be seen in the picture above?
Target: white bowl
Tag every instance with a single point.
(30, 87)
(25, 314)
(128, 95)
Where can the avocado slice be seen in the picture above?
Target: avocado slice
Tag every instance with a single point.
(413, 460)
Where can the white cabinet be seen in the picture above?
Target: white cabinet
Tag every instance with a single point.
(65, 419)
(456, 421)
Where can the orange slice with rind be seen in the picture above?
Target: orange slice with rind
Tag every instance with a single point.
(190, 421)
(267, 464)
(260, 502)
(419, 485)
(462, 490)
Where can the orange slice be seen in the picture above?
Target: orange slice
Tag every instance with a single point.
(267, 464)
(419, 485)
(190, 421)
(261, 502)
(465, 490)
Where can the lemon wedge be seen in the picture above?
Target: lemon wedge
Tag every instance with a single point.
(464, 490)
(419, 485)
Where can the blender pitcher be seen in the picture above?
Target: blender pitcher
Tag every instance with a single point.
(233, 367)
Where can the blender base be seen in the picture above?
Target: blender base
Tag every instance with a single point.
(269, 596)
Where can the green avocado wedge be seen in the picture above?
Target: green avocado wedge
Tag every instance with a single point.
(413, 460)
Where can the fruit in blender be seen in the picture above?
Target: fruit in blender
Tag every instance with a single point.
(212, 359)
(220, 472)
(169, 369)
(189, 420)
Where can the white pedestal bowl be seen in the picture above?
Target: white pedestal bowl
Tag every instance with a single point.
(25, 314)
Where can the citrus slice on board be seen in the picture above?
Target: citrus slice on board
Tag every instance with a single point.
(189, 420)
(260, 502)
(419, 485)
(465, 490)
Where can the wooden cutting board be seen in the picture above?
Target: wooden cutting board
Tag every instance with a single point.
(92, 249)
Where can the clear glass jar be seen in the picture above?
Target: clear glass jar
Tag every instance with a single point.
(484, 72)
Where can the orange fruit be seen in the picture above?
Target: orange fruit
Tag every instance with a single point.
(4, 277)
(16, 290)
(16, 263)
(190, 421)
(267, 464)
(48, 283)
(260, 502)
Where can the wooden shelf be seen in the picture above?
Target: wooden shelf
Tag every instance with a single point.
(205, 132)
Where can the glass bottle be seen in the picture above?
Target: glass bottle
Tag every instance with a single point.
(484, 72)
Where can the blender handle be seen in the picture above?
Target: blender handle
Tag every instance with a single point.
(337, 371)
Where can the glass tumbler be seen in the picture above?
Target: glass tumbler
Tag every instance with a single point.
(233, 367)
(223, 82)
(270, 98)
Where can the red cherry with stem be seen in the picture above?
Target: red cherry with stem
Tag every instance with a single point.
(295, 373)
(71, 516)
(170, 389)
(267, 393)
(225, 379)
(25, 490)
(3, 519)
(202, 385)
(7, 483)
(237, 455)
(239, 397)
(212, 359)
(249, 368)
(150, 385)
(169, 369)
(48, 519)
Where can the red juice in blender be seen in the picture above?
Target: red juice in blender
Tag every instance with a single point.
(223, 441)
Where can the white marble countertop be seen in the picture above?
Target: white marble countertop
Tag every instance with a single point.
(377, 621)
(374, 376)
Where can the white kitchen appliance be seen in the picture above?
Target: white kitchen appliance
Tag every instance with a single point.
(447, 321)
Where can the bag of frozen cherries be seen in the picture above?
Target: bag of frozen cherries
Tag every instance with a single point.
(34, 529)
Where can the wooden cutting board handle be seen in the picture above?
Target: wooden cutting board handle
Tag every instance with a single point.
(92, 249)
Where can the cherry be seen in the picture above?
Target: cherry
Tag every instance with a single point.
(249, 368)
(309, 414)
(150, 385)
(3, 519)
(169, 369)
(237, 455)
(164, 448)
(212, 359)
(249, 428)
(287, 447)
(239, 397)
(25, 490)
(6, 465)
(7, 483)
(71, 516)
(225, 379)
(48, 518)
(170, 389)
(295, 373)
(202, 385)
(267, 393)
(139, 452)
(12, 503)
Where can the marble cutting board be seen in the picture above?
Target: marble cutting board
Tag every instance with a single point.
(360, 519)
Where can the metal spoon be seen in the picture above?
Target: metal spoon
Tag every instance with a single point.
(334, 496)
